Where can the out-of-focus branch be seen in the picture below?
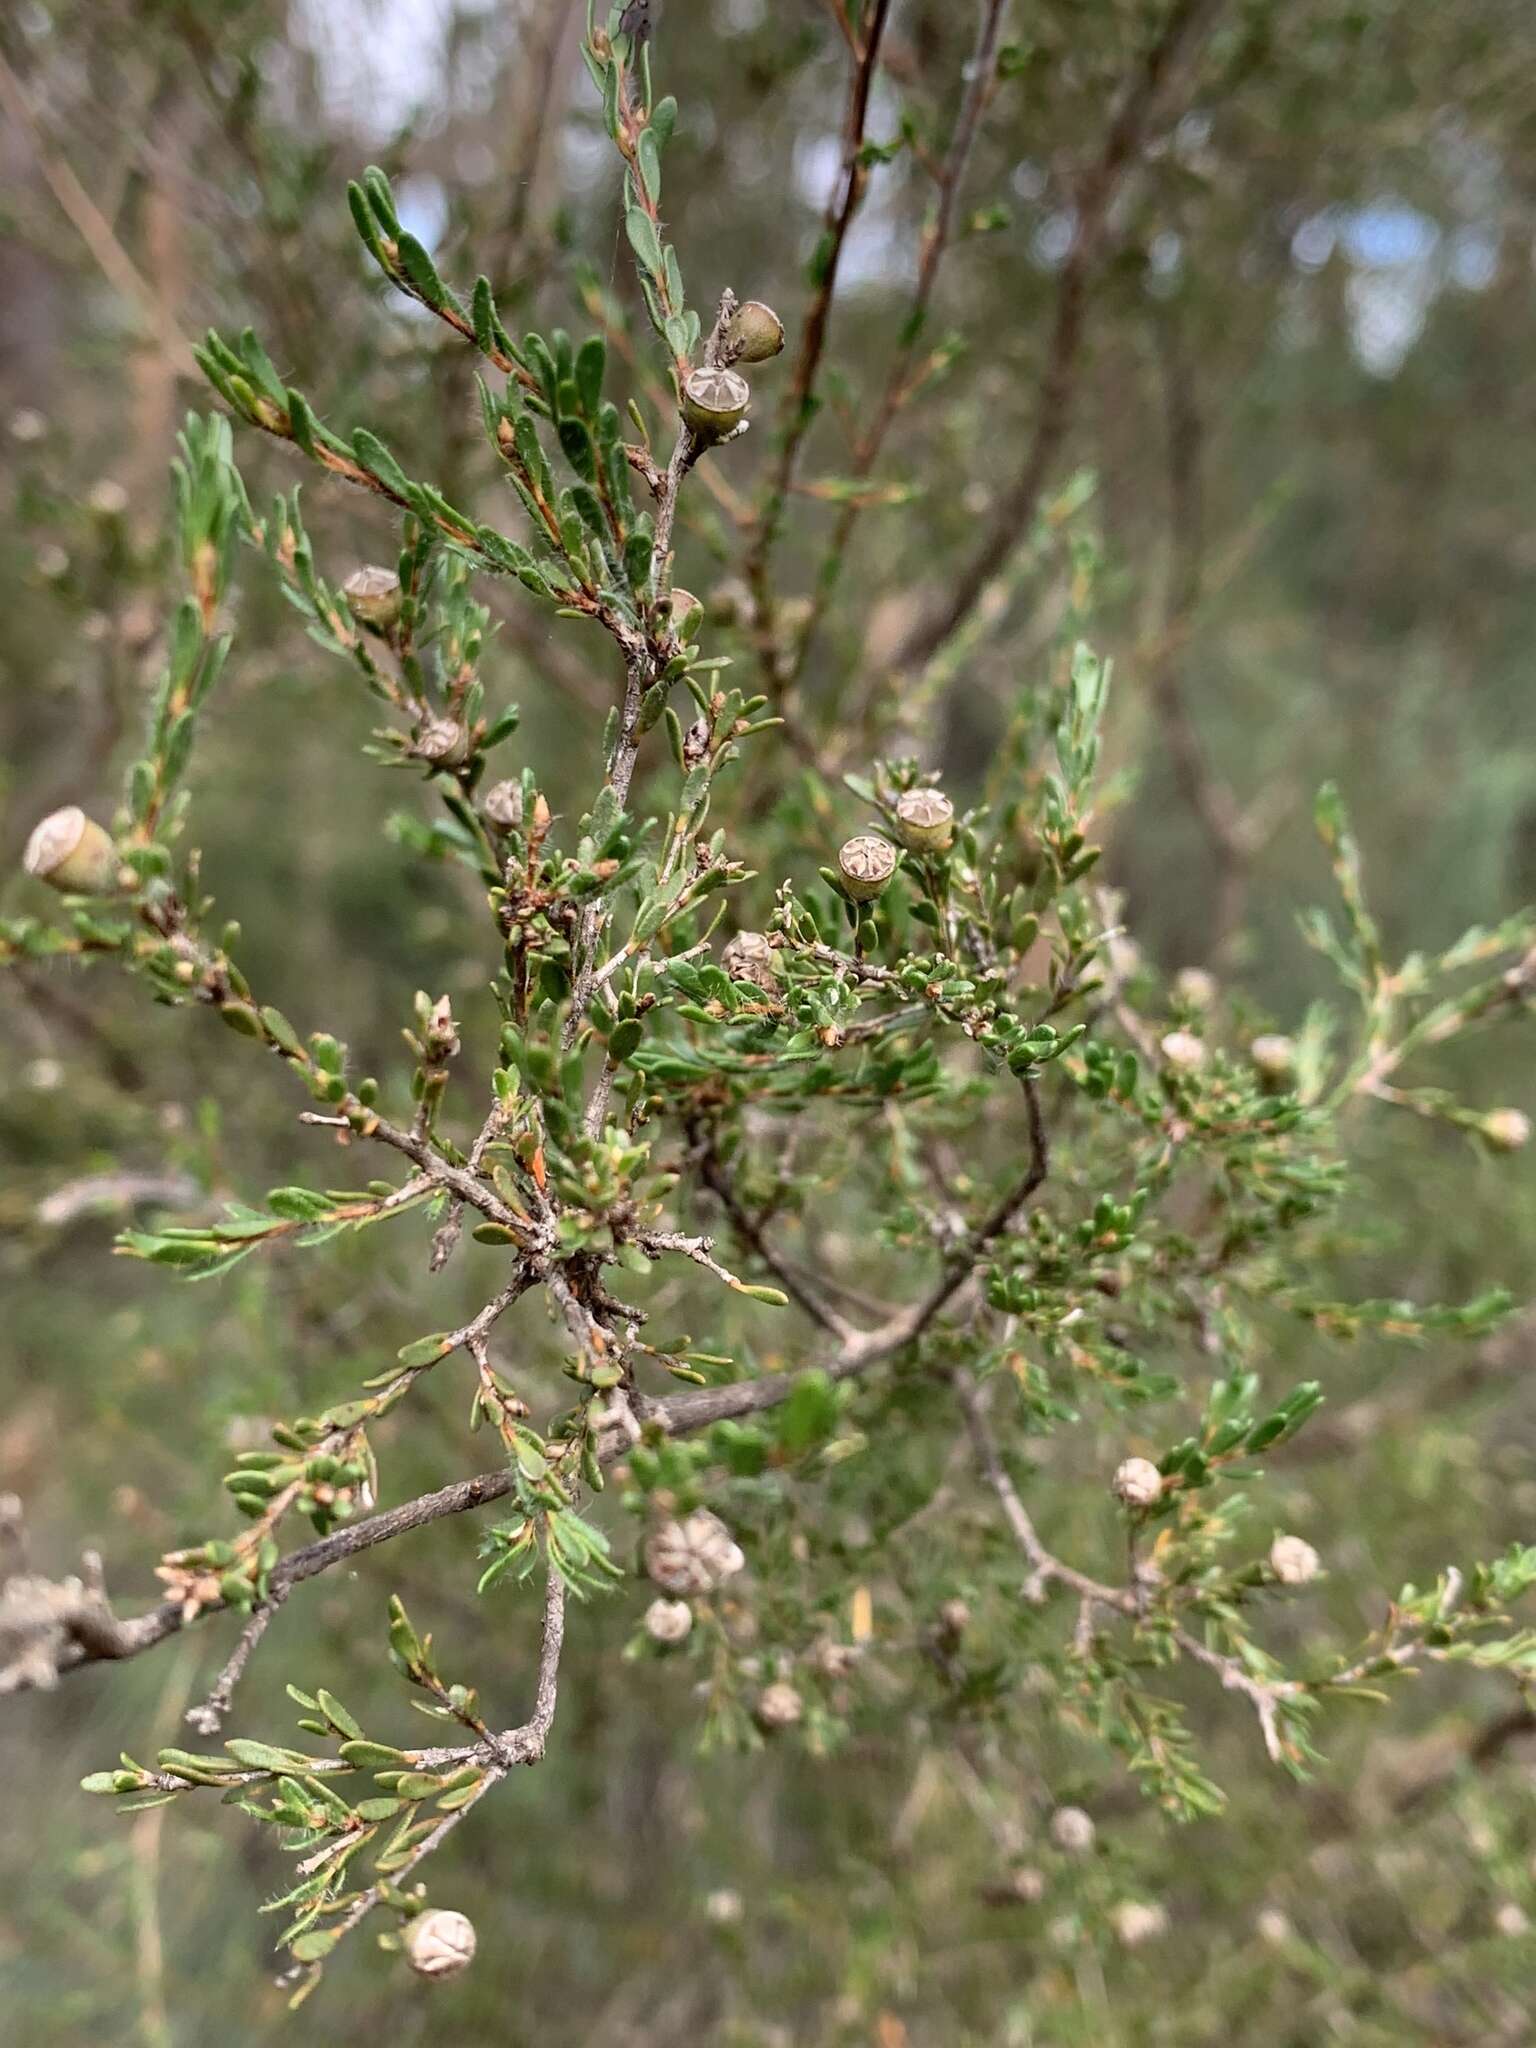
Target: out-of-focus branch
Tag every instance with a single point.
(1143, 99)
(799, 407)
(92, 225)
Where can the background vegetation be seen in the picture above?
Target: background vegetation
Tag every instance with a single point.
(1299, 388)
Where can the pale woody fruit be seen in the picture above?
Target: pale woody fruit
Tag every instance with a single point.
(1138, 1483)
(1274, 1055)
(439, 1943)
(865, 866)
(1506, 1130)
(779, 1706)
(692, 1556)
(1183, 1050)
(925, 820)
(668, 1621)
(749, 957)
(715, 403)
(70, 851)
(1293, 1561)
(443, 742)
(1138, 1920)
(1072, 1830)
(503, 805)
(373, 597)
(754, 333)
(1196, 986)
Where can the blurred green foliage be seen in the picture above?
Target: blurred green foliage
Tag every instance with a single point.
(1301, 391)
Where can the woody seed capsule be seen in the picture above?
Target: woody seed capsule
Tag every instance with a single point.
(1293, 1561)
(668, 1621)
(749, 957)
(1138, 1483)
(443, 742)
(373, 597)
(70, 851)
(779, 1706)
(754, 333)
(1073, 1830)
(865, 866)
(504, 805)
(715, 402)
(1274, 1055)
(439, 1943)
(925, 820)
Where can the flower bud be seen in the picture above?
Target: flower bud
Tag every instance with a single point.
(1293, 1561)
(1506, 1130)
(1181, 1049)
(373, 598)
(1072, 1830)
(1138, 1483)
(1274, 1055)
(70, 851)
(865, 866)
(779, 1706)
(749, 957)
(925, 820)
(754, 333)
(715, 402)
(439, 1943)
(668, 1621)
(503, 805)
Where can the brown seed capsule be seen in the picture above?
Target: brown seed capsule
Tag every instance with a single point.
(439, 1943)
(715, 402)
(865, 865)
(1138, 1483)
(668, 1621)
(692, 1556)
(925, 820)
(754, 333)
(70, 851)
(779, 1706)
(749, 957)
(1293, 1561)
(373, 597)
(503, 805)
(443, 742)
(1072, 1830)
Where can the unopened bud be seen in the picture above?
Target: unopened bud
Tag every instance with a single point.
(668, 1621)
(1293, 1561)
(1506, 1130)
(754, 333)
(1138, 1483)
(865, 866)
(373, 597)
(925, 820)
(70, 851)
(1183, 1050)
(439, 1943)
(1072, 1830)
(779, 1706)
(749, 957)
(715, 403)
